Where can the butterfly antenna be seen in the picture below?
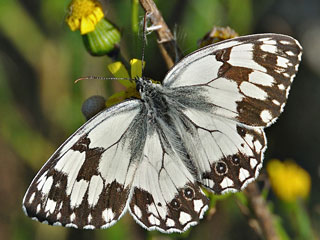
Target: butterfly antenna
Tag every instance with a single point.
(100, 78)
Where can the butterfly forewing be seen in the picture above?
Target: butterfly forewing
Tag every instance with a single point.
(86, 183)
(246, 79)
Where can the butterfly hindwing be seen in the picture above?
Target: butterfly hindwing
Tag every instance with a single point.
(86, 182)
(165, 195)
(226, 155)
(236, 168)
(246, 79)
(229, 154)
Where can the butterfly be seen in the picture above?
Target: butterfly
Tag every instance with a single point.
(202, 127)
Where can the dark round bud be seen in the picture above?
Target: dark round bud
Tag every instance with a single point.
(92, 106)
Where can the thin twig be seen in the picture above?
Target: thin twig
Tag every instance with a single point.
(261, 211)
(166, 41)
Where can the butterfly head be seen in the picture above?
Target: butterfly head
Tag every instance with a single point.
(143, 85)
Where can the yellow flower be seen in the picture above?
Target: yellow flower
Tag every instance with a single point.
(118, 70)
(84, 15)
(288, 180)
(100, 36)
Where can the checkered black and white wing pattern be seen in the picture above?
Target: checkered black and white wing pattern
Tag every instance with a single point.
(231, 91)
(228, 154)
(86, 183)
(246, 79)
(165, 195)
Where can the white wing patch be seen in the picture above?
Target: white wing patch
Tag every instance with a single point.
(242, 56)
(94, 191)
(253, 91)
(203, 69)
(261, 78)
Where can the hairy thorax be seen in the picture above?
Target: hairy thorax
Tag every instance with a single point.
(153, 98)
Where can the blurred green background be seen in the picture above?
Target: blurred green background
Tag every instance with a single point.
(40, 105)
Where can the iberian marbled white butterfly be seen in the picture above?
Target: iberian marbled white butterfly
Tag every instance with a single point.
(202, 127)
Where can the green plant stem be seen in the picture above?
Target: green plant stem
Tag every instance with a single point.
(135, 16)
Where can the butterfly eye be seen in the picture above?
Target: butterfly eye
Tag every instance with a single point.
(235, 160)
(175, 203)
(221, 168)
(189, 193)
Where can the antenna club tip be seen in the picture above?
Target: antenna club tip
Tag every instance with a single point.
(99, 78)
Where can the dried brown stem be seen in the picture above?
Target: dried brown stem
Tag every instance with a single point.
(166, 41)
(261, 211)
